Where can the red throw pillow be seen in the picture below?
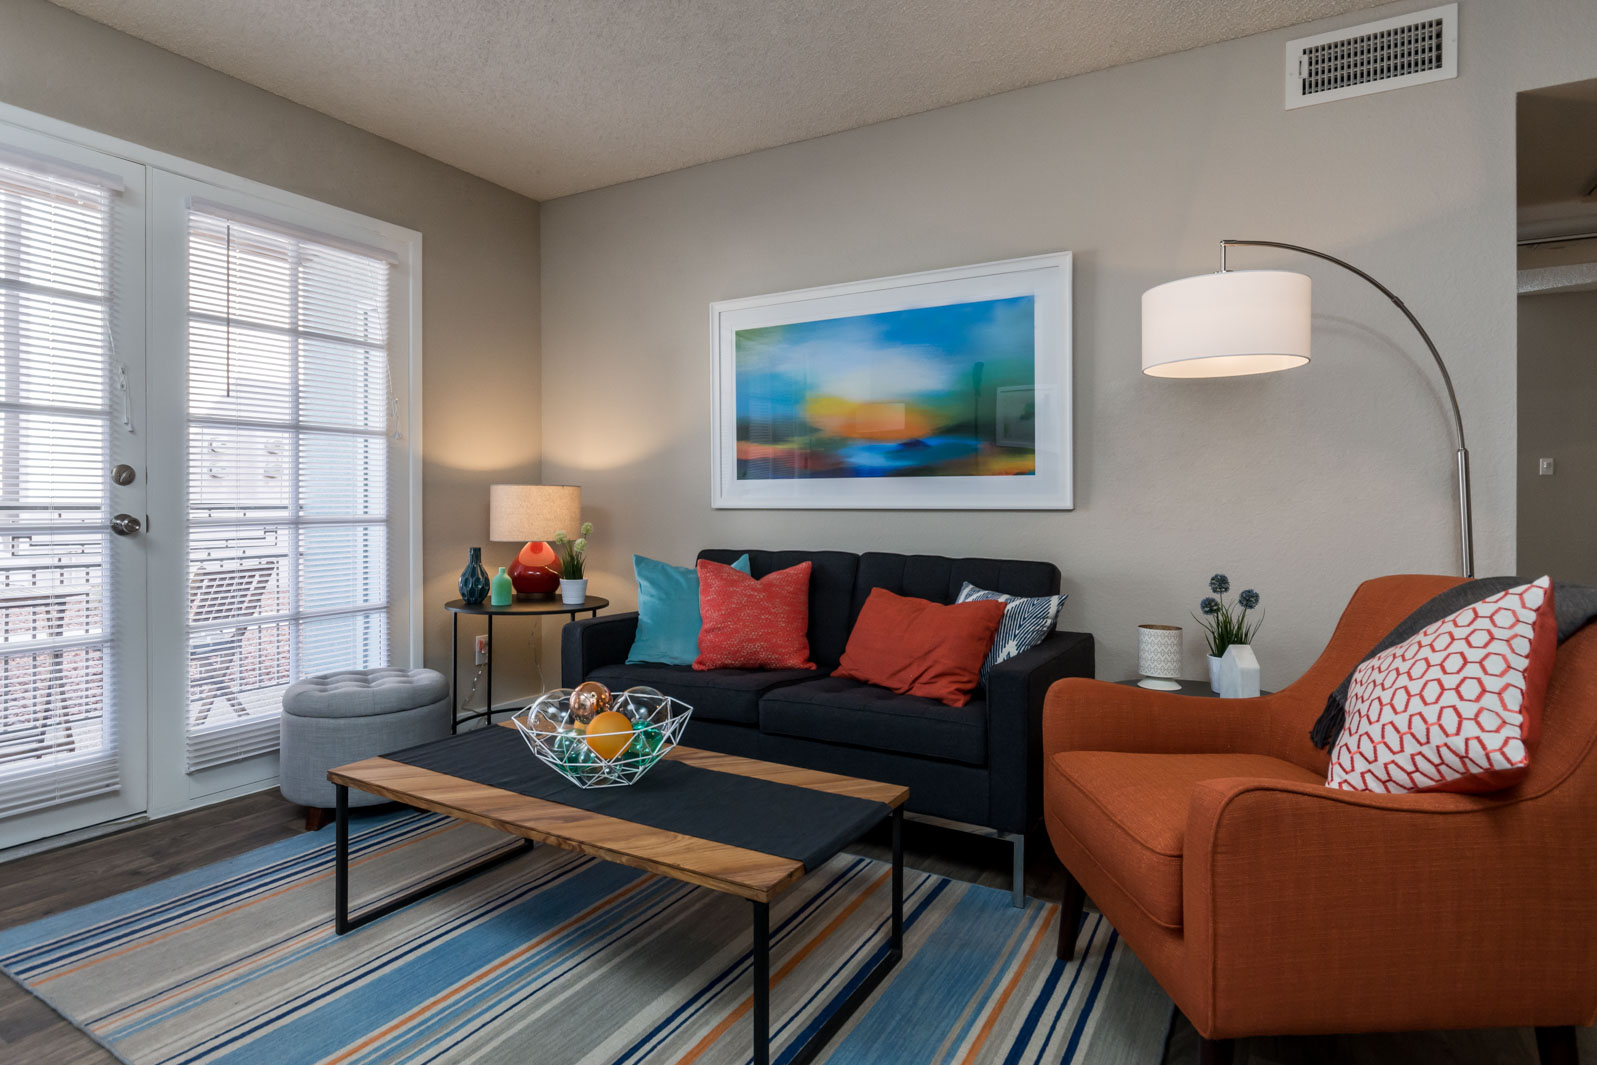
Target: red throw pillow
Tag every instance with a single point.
(754, 624)
(1456, 707)
(917, 647)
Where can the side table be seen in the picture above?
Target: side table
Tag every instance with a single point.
(1188, 687)
(516, 608)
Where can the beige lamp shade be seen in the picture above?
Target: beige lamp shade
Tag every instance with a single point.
(523, 512)
(1228, 324)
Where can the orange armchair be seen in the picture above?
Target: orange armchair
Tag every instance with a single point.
(1268, 904)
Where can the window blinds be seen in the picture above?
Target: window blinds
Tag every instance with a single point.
(287, 472)
(57, 713)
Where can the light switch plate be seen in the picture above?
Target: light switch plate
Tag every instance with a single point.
(1545, 467)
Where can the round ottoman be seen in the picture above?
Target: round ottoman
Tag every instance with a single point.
(336, 718)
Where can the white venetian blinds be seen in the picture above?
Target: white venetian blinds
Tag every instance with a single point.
(57, 718)
(288, 508)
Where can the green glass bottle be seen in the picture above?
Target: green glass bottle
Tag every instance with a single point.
(500, 589)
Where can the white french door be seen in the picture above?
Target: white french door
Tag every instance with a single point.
(72, 635)
(185, 533)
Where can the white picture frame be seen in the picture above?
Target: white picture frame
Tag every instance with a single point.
(866, 446)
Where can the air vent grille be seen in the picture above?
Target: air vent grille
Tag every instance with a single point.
(1375, 57)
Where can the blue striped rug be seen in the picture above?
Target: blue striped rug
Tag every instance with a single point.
(556, 958)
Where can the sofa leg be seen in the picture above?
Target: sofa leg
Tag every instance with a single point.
(317, 818)
(1217, 1052)
(1556, 1046)
(1071, 904)
(1017, 874)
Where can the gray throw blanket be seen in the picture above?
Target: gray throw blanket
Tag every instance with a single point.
(1573, 605)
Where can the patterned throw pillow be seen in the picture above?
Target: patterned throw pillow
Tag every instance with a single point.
(754, 624)
(1457, 706)
(1026, 622)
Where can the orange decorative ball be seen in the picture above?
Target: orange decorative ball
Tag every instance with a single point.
(609, 733)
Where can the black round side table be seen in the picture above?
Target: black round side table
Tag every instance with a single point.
(515, 608)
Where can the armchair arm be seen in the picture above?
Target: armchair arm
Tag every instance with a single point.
(1015, 692)
(593, 642)
(1309, 909)
(1095, 715)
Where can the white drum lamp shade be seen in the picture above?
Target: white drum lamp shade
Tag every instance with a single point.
(1228, 324)
(521, 513)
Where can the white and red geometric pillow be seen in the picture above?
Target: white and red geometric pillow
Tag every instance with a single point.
(1456, 707)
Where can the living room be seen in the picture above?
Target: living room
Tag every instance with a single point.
(554, 232)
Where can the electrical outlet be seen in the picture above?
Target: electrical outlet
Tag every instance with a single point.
(1545, 467)
(481, 650)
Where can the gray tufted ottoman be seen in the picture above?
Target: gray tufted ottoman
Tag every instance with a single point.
(337, 718)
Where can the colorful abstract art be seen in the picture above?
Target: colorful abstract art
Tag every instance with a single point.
(909, 393)
(845, 409)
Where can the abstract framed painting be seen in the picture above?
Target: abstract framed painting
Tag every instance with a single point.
(943, 390)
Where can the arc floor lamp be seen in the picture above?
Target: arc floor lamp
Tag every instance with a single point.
(1239, 322)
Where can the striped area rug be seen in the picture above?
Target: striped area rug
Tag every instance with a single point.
(556, 958)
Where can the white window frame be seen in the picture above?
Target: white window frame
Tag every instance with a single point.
(170, 180)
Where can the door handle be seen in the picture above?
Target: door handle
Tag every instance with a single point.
(125, 525)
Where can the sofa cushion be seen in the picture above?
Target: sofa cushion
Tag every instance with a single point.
(754, 622)
(915, 647)
(1129, 811)
(940, 579)
(668, 612)
(836, 710)
(730, 695)
(831, 593)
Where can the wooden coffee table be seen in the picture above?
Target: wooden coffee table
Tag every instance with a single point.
(748, 874)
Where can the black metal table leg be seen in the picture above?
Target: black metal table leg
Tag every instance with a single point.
(341, 859)
(489, 671)
(762, 983)
(805, 1053)
(342, 921)
(454, 672)
(898, 881)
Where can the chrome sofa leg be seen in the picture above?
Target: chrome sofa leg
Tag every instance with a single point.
(1017, 881)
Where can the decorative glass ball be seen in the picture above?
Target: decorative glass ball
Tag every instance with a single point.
(589, 698)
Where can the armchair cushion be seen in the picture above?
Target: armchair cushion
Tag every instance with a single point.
(1457, 706)
(1130, 812)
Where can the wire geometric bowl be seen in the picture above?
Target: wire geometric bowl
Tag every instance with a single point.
(557, 732)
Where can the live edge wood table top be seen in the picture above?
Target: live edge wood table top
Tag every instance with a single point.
(737, 871)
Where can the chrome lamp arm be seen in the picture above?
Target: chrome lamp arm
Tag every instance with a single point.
(1466, 535)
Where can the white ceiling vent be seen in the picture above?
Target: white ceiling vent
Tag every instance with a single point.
(1390, 54)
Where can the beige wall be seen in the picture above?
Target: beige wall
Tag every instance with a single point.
(1299, 484)
(480, 246)
(1558, 420)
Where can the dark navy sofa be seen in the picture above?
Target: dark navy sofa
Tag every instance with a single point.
(977, 765)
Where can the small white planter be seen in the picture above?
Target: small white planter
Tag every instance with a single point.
(575, 593)
(1214, 666)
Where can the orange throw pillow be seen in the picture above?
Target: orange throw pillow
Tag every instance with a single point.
(754, 624)
(917, 647)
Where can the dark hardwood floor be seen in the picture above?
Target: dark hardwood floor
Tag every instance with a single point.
(33, 1034)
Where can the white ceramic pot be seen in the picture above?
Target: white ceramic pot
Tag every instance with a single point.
(1214, 667)
(573, 593)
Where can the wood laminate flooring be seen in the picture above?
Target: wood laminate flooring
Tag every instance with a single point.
(41, 884)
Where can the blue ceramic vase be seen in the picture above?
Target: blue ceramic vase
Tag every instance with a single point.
(473, 579)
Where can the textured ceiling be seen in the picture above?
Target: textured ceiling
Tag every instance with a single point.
(550, 98)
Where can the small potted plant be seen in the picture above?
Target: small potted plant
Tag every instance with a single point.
(1226, 623)
(571, 553)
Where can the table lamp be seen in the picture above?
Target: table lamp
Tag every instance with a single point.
(1238, 322)
(534, 513)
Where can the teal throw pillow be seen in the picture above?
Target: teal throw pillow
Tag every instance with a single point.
(668, 612)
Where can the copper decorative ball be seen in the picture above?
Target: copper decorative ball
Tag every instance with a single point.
(589, 698)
